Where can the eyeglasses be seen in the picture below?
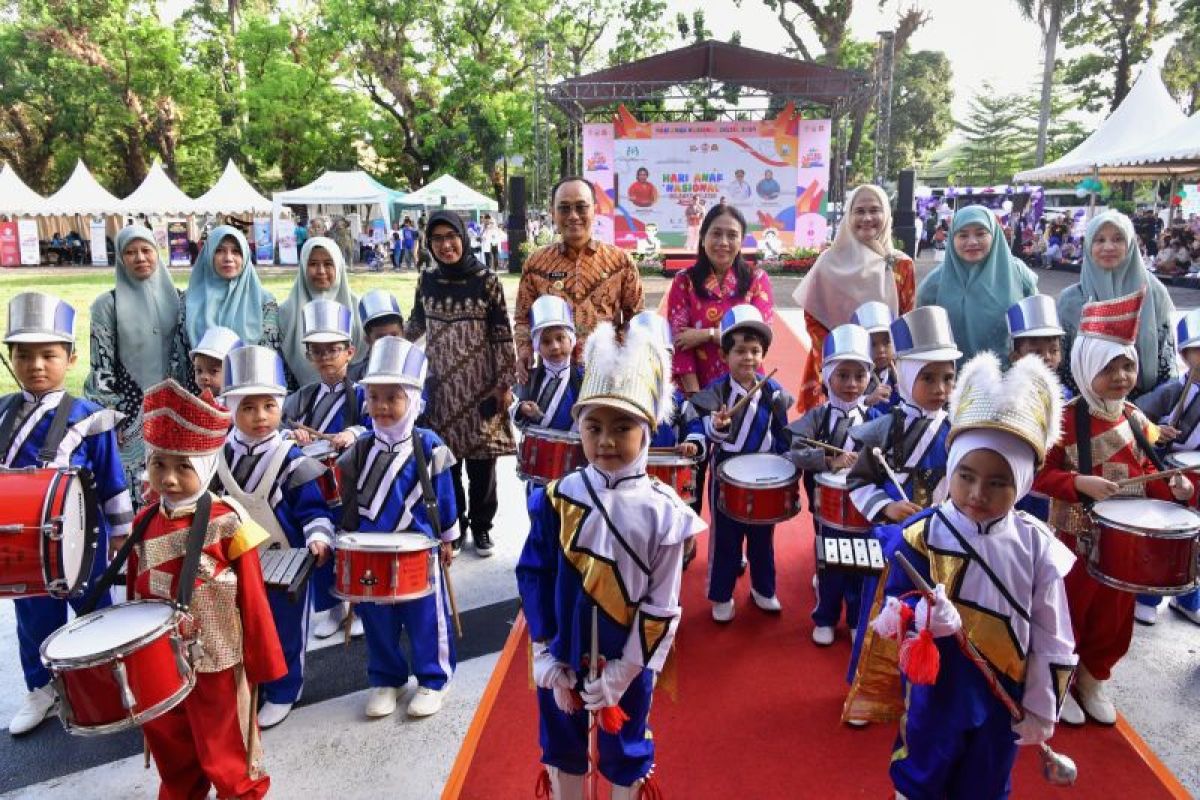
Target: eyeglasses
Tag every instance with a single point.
(565, 209)
(443, 239)
(320, 351)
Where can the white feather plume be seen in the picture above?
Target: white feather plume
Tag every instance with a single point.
(1028, 381)
(640, 351)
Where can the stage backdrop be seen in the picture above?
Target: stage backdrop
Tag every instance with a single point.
(660, 178)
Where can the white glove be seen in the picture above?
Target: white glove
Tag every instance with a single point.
(566, 699)
(944, 619)
(549, 672)
(608, 689)
(887, 624)
(1033, 729)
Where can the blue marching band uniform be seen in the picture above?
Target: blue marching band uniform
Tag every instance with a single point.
(876, 318)
(552, 387)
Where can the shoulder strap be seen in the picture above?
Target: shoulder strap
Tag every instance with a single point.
(352, 407)
(195, 544)
(427, 495)
(8, 427)
(1083, 443)
(1143, 444)
(895, 434)
(576, 380)
(58, 429)
(114, 567)
(358, 457)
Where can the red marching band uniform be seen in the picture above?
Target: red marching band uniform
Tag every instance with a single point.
(211, 738)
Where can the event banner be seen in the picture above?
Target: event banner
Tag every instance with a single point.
(10, 245)
(31, 253)
(658, 179)
(177, 241)
(162, 239)
(287, 241)
(98, 241)
(264, 245)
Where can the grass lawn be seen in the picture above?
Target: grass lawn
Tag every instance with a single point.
(81, 287)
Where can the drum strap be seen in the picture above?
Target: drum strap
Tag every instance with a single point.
(358, 458)
(114, 567)
(427, 495)
(58, 429)
(191, 557)
(1083, 445)
(1140, 437)
(12, 415)
(352, 409)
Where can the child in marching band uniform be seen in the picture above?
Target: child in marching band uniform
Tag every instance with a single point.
(547, 399)
(210, 738)
(760, 427)
(332, 406)
(43, 426)
(997, 578)
(275, 483)
(877, 319)
(1105, 439)
(1178, 421)
(381, 492)
(845, 368)
(208, 359)
(578, 568)
(380, 315)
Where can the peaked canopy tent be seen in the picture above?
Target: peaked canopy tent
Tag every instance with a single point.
(1146, 110)
(343, 189)
(72, 206)
(232, 194)
(1175, 153)
(449, 192)
(15, 197)
(157, 195)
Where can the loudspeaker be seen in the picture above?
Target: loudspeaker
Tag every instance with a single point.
(904, 225)
(516, 224)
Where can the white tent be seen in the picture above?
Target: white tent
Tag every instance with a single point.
(449, 192)
(232, 194)
(158, 194)
(15, 196)
(343, 188)
(1145, 111)
(81, 194)
(1176, 152)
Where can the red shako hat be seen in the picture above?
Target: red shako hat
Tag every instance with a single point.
(180, 423)
(1115, 320)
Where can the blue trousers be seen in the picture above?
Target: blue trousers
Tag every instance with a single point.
(1190, 600)
(625, 757)
(321, 587)
(725, 556)
(837, 589)
(291, 622)
(427, 622)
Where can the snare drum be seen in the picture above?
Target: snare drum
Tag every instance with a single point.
(675, 471)
(48, 532)
(834, 509)
(330, 481)
(121, 667)
(758, 488)
(546, 455)
(1184, 458)
(1144, 545)
(384, 567)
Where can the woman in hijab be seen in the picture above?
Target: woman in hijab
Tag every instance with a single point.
(224, 290)
(322, 276)
(459, 308)
(1113, 267)
(977, 282)
(137, 340)
(861, 265)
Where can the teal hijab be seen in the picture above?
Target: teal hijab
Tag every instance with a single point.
(977, 295)
(1130, 275)
(147, 313)
(212, 300)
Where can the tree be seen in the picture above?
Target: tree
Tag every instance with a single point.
(1048, 15)
(999, 138)
(1182, 69)
(1115, 36)
(921, 118)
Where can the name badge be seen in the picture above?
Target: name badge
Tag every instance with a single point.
(557, 276)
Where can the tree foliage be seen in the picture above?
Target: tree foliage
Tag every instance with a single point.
(1109, 39)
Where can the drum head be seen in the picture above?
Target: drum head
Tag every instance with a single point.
(402, 542)
(668, 460)
(75, 533)
(1185, 458)
(835, 479)
(552, 435)
(107, 629)
(759, 468)
(1147, 514)
(321, 448)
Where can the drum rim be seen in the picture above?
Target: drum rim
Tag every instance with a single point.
(134, 720)
(383, 600)
(1141, 530)
(324, 445)
(829, 475)
(723, 474)
(91, 531)
(551, 435)
(365, 548)
(133, 645)
(670, 460)
(1172, 458)
(1117, 583)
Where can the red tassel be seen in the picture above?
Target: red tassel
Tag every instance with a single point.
(650, 789)
(612, 718)
(906, 618)
(920, 659)
(541, 789)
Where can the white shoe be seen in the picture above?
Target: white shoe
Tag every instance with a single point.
(381, 700)
(1094, 698)
(1146, 615)
(426, 702)
(766, 603)
(1071, 713)
(36, 706)
(356, 627)
(271, 714)
(331, 623)
(822, 635)
(1188, 614)
(723, 612)
(564, 785)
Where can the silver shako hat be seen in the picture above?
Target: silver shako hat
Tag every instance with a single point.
(398, 361)
(376, 304)
(549, 311)
(873, 315)
(217, 342)
(924, 334)
(1034, 316)
(656, 326)
(37, 317)
(253, 370)
(326, 322)
(847, 343)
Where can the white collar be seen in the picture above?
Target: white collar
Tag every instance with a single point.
(964, 524)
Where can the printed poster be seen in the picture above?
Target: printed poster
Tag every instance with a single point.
(264, 245)
(10, 245)
(98, 242)
(177, 243)
(287, 241)
(162, 242)
(31, 253)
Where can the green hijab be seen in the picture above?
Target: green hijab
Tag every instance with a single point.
(147, 313)
(977, 295)
(212, 300)
(291, 311)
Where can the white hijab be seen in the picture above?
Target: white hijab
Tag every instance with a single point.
(1016, 452)
(1089, 357)
(205, 467)
(635, 467)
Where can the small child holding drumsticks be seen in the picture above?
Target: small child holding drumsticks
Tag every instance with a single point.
(547, 399)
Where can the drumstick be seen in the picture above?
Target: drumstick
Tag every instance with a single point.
(875, 451)
(349, 622)
(1153, 476)
(251, 728)
(740, 404)
(145, 751)
(450, 594)
(316, 434)
(822, 445)
(1179, 404)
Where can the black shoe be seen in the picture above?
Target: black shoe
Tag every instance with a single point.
(457, 544)
(483, 543)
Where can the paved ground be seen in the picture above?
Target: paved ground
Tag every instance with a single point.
(327, 748)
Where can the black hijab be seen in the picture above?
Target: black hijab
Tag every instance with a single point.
(468, 264)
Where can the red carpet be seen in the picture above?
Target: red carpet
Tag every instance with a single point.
(758, 706)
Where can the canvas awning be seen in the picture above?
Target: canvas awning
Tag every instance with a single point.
(15, 196)
(232, 194)
(158, 194)
(449, 192)
(81, 194)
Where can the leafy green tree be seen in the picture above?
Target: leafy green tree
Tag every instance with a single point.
(999, 138)
(1182, 69)
(1049, 15)
(1111, 37)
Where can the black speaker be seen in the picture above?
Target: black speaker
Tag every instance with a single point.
(517, 223)
(904, 226)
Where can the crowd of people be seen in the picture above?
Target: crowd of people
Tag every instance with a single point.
(333, 423)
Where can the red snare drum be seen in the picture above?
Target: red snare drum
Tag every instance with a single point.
(834, 508)
(547, 455)
(121, 667)
(48, 532)
(675, 471)
(1144, 545)
(330, 481)
(384, 567)
(758, 488)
